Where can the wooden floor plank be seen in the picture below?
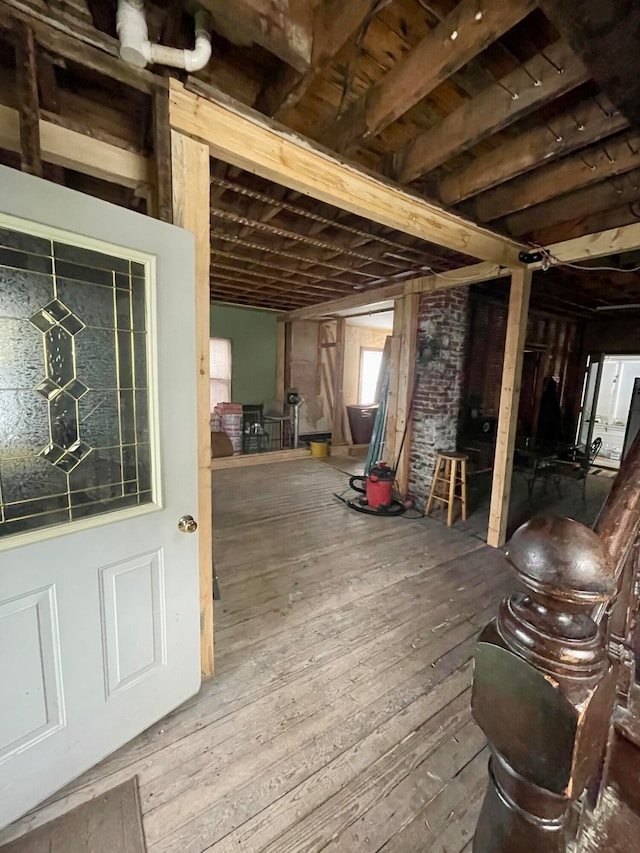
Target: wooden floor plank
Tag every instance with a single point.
(339, 716)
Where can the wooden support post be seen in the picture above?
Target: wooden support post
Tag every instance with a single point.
(509, 400)
(394, 379)
(337, 426)
(281, 356)
(406, 378)
(190, 166)
(29, 106)
(162, 155)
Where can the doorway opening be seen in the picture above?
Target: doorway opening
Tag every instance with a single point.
(610, 405)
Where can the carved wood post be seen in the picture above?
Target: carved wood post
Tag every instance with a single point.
(544, 688)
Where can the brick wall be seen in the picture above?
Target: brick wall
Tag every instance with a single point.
(442, 332)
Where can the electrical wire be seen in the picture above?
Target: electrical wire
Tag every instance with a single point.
(549, 260)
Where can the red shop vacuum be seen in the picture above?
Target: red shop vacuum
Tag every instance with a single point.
(376, 490)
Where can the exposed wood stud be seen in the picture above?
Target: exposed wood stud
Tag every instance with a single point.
(162, 155)
(69, 148)
(190, 162)
(337, 429)
(509, 399)
(281, 357)
(100, 57)
(29, 106)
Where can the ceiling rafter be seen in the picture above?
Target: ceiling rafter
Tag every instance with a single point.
(334, 24)
(591, 165)
(607, 194)
(298, 210)
(589, 122)
(550, 73)
(299, 238)
(283, 29)
(463, 34)
(331, 264)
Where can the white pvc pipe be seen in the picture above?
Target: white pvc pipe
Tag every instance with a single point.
(136, 49)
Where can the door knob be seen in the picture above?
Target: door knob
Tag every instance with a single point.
(187, 524)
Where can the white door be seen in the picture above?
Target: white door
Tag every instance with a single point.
(99, 614)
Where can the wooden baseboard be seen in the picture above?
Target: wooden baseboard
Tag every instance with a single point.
(244, 461)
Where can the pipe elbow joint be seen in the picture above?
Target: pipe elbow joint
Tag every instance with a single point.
(198, 58)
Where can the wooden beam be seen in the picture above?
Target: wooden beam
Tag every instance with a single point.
(73, 150)
(581, 226)
(394, 379)
(334, 24)
(605, 35)
(589, 166)
(27, 92)
(406, 378)
(100, 56)
(587, 124)
(509, 401)
(492, 110)
(281, 358)
(246, 139)
(190, 167)
(424, 284)
(611, 242)
(602, 196)
(337, 428)
(424, 68)
(282, 28)
(162, 155)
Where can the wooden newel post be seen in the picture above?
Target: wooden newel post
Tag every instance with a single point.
(544, 688)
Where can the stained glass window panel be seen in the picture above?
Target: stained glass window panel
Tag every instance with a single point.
(74, 429)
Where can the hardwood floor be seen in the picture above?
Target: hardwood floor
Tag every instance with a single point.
(339, 715)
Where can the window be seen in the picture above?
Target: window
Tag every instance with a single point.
(220, 371)
(370, 361)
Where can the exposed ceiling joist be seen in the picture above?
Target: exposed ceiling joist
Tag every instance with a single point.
(283, 27)
(605, 35)
(281, 156)
(579, 226)
(588, 123)
(463, 34)
(334, 24)
(590, 166)
(548, 75)
(608, 194)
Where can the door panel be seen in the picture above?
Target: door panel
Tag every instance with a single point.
(99, 597)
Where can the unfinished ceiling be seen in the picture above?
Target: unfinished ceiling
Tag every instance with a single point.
(518, 115)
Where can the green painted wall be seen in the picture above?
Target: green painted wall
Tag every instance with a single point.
(252, 333)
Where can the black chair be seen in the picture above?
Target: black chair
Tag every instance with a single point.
(254, 435)
(578, 470)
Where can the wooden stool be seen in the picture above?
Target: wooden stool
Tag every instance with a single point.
(446, 471)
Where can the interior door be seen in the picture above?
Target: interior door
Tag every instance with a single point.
(99, 615)
(590, 400)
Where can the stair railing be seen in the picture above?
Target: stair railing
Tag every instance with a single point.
(548, 668)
